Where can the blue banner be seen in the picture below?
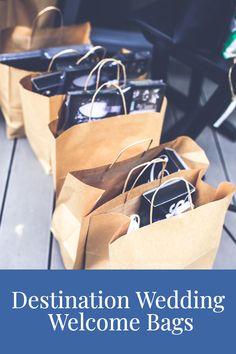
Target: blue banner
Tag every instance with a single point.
(117, 311)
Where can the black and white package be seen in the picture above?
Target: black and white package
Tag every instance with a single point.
(59, 82)
(147, 95)
(76, 108)
(72, 78)
(172, 199)
(174, 163)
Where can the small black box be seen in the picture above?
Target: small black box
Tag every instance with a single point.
(59, 82)
(172, 199)
(49, 84)
(147, 96)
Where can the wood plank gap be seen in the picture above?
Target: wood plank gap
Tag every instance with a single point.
(50, 251)
(7, 180)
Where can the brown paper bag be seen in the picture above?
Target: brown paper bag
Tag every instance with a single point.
(23, 38)
(19, 39)
(95, 143)
(10, 100)
(22, 12)
(41, 34)
(187, 241)
(85, 190)
(39, 111)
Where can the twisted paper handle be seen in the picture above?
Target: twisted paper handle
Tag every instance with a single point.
(99, 67)
(166, 183)
(145, 165)
(41, 13)
(107, 84)
(150, 140)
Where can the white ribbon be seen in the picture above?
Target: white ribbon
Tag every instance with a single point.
(178, 208)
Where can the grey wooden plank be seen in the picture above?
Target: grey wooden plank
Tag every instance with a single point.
(208, 88)
(179, 76)
(24, 235)
(56, 260)
(170, 118)
(6, 147)
(230, 222)
(226, 149)
(226, 256)
(215, 174)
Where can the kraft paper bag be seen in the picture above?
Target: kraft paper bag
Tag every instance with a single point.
(85, 190)
(38, 112)
(186, 241)
(10, 100)
(94, 144)
(20, 39)
(22, 12)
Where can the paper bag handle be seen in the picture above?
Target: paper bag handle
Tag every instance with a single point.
(90, 52)
(145, 165)
(119, 64)
(165, 183)
(130, 146)
(99, 67)
(108, 84)
(233, 94)
(41, 13)
(59, 54)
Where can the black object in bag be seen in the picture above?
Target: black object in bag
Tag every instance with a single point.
(171, 199)
(59, 82)
(76, 108)
(38, 60)
(72, 78)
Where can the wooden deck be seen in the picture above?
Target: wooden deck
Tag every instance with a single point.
(26, 196)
